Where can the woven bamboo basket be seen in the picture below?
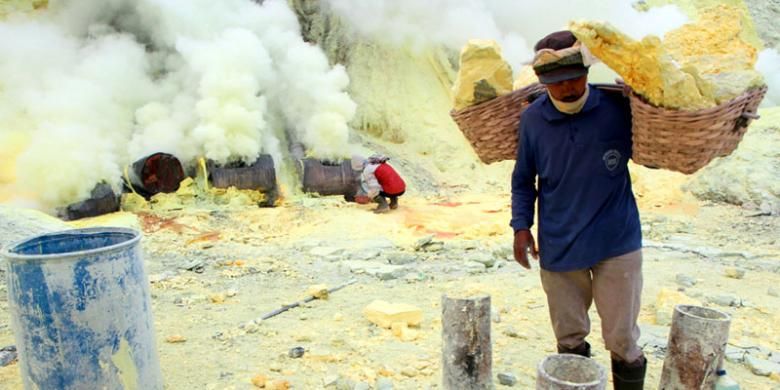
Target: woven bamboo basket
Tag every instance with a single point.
(686, 141)
(492, 127)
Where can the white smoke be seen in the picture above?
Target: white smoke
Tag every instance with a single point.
(95, 84)
(515, 25)
(769, 65)
(74, 100)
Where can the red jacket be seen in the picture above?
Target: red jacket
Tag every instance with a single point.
(390, 180)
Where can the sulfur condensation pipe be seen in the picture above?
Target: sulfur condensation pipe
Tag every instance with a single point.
(102, 200)
(155, 173)
(697, 344)
(570, 372)
(467, 351)
(259, 176)
(329, 178)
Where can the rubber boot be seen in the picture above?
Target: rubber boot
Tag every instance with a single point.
(629, 376)
(582, 350)
(383, 207)
(393, 203)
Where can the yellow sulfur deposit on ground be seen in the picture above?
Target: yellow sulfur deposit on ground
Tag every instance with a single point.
(699, 65)
(483, 74)
(192, 195)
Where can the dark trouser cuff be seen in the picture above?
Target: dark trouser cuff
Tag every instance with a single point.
(582, 350)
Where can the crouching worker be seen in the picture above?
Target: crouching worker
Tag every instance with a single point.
(378, 181)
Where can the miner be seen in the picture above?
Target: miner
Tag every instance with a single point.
(572, 157)
(378, 182)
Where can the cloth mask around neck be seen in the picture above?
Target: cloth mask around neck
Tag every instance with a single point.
(572, 107)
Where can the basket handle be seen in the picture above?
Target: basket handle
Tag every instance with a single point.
(745, 119)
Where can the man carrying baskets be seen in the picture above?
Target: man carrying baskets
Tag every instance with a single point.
(573, 150)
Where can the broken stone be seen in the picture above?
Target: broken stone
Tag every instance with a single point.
(387, 272)
(296, 352)
(362, 386)
(409, 372)
(761, 367)
(319, 291)
(485, 259)
(735, 354)
(345, 384)
(400, 258)
(8, 355)
(685, 280)
(384, 314)
(330, 380)
(423, 242)
(725, 300)
(384, 384)
(507, 379)
(773, 292)
(512, 332)
(734, 273)
(473, 267)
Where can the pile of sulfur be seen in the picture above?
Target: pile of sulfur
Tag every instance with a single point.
(699, 65)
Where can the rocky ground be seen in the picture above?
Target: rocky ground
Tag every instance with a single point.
(214, 271)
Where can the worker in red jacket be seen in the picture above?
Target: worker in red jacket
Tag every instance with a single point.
(379, 181)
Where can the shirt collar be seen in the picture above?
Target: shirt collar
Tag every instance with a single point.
(550, 113)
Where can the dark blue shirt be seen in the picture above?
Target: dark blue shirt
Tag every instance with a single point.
(587, 210)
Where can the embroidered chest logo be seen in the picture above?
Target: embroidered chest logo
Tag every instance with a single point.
(611, 159)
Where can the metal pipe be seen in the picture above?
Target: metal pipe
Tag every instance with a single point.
(259, 176)
(697, 344)
(570, 372)
(102, 200)
(329, 178)
(156, 173)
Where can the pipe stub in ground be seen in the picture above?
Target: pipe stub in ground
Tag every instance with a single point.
(697, 345)
(570, 372)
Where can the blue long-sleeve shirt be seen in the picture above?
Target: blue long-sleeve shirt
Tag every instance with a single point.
(587, 210)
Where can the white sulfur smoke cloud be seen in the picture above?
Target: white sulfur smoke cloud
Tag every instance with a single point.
(93, 85)
(74, 101)
(769, 65)
(516, 25)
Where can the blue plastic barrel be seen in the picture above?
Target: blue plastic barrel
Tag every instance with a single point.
(81, 311)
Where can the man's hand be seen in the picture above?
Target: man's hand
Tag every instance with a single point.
(524, 241)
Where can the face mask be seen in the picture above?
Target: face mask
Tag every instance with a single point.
(573, 107)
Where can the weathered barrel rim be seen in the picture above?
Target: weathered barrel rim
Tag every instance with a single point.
(686, 310)
(7, 253)
(601, 376)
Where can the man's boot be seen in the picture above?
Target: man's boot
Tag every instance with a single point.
(629, 376)
(383, 207)
(582, 350)
(393, 202)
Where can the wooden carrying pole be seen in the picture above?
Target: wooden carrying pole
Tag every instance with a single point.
(466, 346)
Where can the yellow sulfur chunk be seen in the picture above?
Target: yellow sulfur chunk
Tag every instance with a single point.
(525, 77)
(483, 74)
(385, 314)
(698, 65)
